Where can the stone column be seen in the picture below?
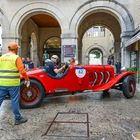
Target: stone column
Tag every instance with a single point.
(117, 51)
(6, 39)
(139, 53)
(125, 54)
(69, 47)
(25, 48)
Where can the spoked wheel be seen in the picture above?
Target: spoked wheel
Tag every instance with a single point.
(129, 86)
(31, 97)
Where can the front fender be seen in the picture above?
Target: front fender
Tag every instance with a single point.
(113, 81)
(37, 78)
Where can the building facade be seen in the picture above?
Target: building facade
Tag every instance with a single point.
(59, 27)
(97, 45)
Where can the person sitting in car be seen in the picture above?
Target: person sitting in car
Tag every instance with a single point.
(72, 62)
(52, 67)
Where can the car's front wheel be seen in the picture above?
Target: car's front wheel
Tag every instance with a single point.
(32, 96)
(129, 86)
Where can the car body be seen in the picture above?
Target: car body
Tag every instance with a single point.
(75, 79)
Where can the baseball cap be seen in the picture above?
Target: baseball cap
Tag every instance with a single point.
(13, 45)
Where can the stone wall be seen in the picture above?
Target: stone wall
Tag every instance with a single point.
(69, 14)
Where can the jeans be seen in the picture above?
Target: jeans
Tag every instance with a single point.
(14, 93)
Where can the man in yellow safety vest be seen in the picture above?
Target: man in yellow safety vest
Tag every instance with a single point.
(11, 67)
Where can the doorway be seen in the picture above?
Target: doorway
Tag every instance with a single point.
(95, 57)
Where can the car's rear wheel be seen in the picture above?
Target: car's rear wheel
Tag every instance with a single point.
(129, 86)
(32, 96)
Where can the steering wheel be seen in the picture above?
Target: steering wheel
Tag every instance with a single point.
(66, 68)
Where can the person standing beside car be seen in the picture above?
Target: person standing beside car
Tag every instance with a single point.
(30, 63)
(118, 67)
(11, 66)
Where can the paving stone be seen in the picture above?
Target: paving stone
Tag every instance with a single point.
(110, 118)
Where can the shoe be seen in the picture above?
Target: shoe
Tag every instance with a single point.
(22, 120)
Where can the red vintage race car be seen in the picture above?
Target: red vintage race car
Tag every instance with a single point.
(75, 79)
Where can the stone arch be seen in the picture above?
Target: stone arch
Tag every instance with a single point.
(32, 9)
(94, 47)
(97, 47)
(53, 46)
(114, 8)
(34, 48)
(50, 38)
(93, 25)
(117, 11)
(104, 41)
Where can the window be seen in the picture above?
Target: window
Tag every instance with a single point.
(52, 46)
(97, 31)
(53, 42)
(102, 33)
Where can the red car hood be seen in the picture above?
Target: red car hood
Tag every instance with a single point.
(33, 71)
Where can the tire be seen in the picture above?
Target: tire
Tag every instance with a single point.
(31, 97)
(129, 86)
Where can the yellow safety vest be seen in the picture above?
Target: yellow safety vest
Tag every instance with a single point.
(9, 74)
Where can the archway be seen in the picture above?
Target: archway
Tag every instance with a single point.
(97, 37)
(110, 14)
(95, 57)
(52, 46)
(105, 21)
(35, 31)
(42, 18)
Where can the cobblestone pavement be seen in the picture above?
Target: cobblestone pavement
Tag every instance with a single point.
(110, 118)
